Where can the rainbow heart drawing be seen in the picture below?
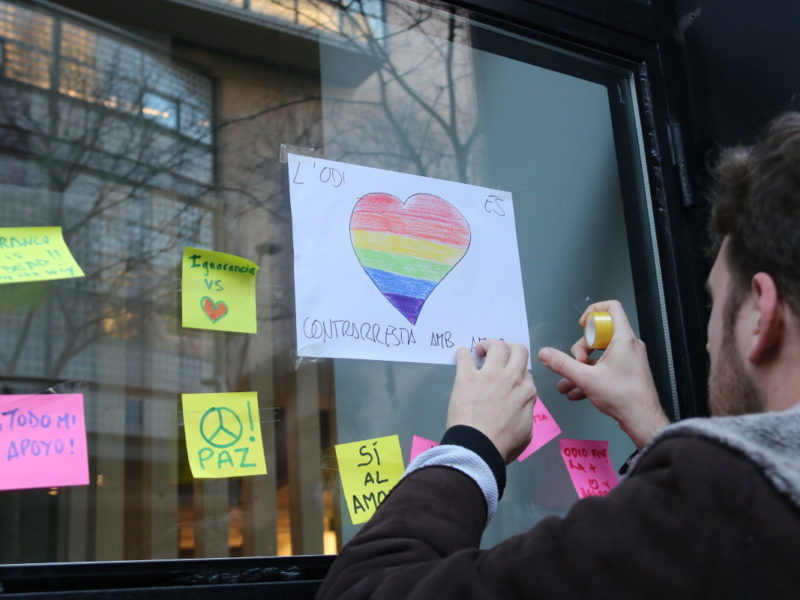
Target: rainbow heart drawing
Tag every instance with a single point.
(407, 248)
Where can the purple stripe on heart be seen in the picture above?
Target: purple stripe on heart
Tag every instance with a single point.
(408, 307)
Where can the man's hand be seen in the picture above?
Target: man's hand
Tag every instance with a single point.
(496, 399)
(619, 383)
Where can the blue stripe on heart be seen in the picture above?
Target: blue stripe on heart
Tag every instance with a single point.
(392, 283)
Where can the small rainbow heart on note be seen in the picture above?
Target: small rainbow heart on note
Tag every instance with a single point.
(407, 248)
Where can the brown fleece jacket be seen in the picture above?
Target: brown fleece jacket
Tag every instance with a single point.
(697, 518)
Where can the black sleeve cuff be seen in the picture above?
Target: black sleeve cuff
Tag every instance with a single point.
(472, 439)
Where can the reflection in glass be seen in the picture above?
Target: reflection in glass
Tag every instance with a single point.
(137, 153)
(161, 110)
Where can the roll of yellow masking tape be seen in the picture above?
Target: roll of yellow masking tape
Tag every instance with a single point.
(598, 330)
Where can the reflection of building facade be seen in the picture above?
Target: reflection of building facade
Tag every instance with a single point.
(314, 16)
(137, 153)
(99, 121)
(112, 140)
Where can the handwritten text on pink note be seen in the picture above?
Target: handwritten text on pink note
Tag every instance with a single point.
(545, 429)
(419, 445)
(42, 441)
(589, 468)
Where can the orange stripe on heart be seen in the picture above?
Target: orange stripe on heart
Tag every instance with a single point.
(214, 310)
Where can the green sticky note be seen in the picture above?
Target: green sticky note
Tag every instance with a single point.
(223, 434)
(35, 254)
(219, 291)
(369, 470)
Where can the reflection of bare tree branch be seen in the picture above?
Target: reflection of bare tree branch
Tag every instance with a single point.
(439, 32)
(18, 346)
(265, 111)
(95, 143)
(255, 201)
(91, 145)
(411, 149)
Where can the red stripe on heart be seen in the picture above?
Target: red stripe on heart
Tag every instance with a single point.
(214, 310)
(422, 216)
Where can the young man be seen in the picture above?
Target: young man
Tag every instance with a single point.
(710, 508)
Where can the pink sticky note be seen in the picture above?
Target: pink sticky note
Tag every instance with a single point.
(589, 468)
(42, 441)
(545, 429)
(419, 445)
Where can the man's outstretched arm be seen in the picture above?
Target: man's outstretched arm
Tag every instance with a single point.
(423, 542)
(424, 539)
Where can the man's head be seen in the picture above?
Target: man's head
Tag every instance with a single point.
(755, 281)
(731, 389)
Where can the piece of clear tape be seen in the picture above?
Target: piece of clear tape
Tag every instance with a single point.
(583, 303)
(299, 361)
(71, 386)
(287, 149)
(266, 414)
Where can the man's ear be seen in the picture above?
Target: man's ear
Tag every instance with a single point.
(768, 331)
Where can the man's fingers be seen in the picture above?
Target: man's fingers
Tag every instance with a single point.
(562, 364)
(576, 394)
(464, 360)
(518, 357)
(570, 390)
(614, 308)
(496, 353)
(581, 351)
(565, 386)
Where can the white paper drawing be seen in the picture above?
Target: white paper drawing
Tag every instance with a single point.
(399, 267)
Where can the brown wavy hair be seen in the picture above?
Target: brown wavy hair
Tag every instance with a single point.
(755, 199)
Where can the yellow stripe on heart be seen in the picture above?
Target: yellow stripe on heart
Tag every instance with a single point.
(406, 246)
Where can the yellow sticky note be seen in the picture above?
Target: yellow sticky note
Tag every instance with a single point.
(35, 254)
(223, 434)
(219, 291)
(369, 470)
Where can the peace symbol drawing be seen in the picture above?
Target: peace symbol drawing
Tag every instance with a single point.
(221, 427)
(408, 248)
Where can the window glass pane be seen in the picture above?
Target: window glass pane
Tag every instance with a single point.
(282, 9)
(27, 39)
(448, 110)
(137, 153)
(161, 110)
